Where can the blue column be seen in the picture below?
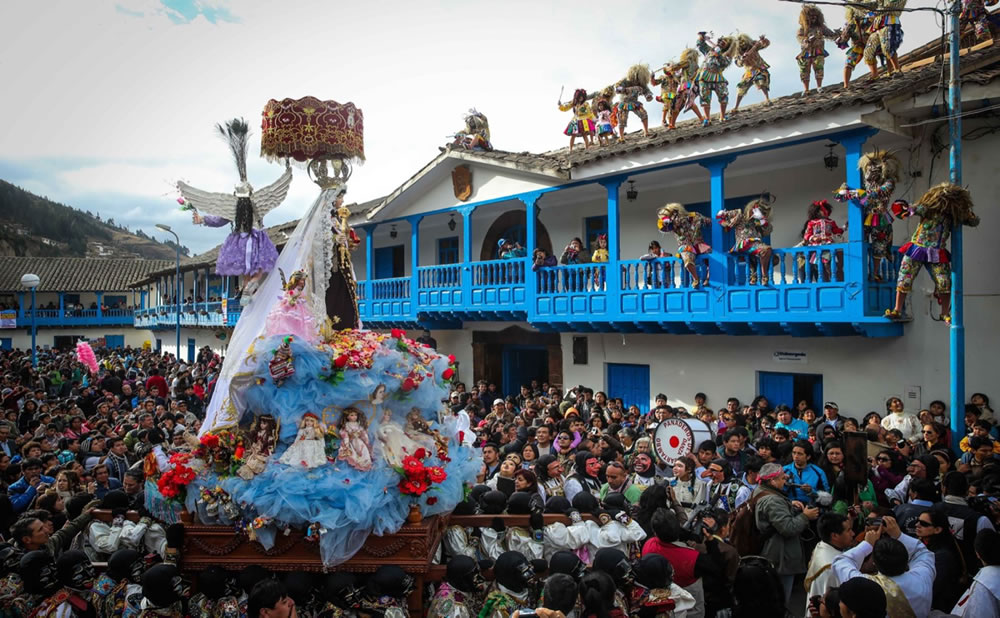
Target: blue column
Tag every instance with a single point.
(20, 305)
(414, 261)
(62, 309)
(718, 264)
(142, 299)
(34, 331)
(957, 330)
(856, 256)
(100, 300)
(467, 254)
(613, 275)
(530, 243)
(370, 251)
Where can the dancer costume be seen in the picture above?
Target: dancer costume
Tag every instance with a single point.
(755, 70)
(880, 172)
(248, 249)
(812, 35)
(687, 71)
(668, 85)
(631, 88)
(886, 30)
(583, 117)
(751, 224)
(941, 208)
(687, 229)
(604, 126)
(974, 12)
(854, 36)
(820, 230)
(710, 77)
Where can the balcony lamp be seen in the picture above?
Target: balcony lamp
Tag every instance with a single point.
(831, 160)
(631, 194)
(392, 232)
(451, 223)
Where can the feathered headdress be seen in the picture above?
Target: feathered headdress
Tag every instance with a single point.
(668, 213)
(889, 162)
(85, 354)
(950, 200)
(689, 60)
(236, 132)
(637, 75)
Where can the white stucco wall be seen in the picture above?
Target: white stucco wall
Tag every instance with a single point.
(45, 337)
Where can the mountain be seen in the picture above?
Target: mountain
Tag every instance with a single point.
(34, 226)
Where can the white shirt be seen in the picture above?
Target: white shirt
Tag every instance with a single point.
(820, 582)
(917, 582)
(908, 424)
(981, 598)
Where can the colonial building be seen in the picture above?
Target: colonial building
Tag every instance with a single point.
(430, 260)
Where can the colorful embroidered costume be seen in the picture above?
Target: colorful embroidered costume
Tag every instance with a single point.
(854, 36)
(812, 35)
(880, 171)
(710, 76)
(819, 230)
(751, 224)
(687, 229)
(974, 12)
(450, 602)
(476, 133)
(687, 89)
(886, 30)
(604, 126)
(633, 86)
(755, 70)
(583, 119)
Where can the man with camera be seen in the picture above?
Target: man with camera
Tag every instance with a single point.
(836, 536)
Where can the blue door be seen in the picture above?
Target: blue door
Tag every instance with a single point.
(521, 365)
(631, 383)
(114, 341)
(159, 345)
(777, 387)
(191, 344)
(6, 343)
(388, 262)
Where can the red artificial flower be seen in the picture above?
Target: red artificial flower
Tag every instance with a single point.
(413, 487)
(436, 474)
(448, 373)
(413, 467)
(210, 441)
(461, 437)
(432, 500)
(408, 384)
(451, 359)
(341, 361)
(240, 451)
(398, 333)
(420, 453)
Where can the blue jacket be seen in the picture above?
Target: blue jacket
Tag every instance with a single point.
(812, 475)
(21, 492)
(113, 484)
(797, 425)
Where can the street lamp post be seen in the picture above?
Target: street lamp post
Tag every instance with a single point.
(31, 282)
(177, 246)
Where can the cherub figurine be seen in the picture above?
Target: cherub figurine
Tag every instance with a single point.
(633, 86)
(812, 35)
(940, 209)
(886, 35)
(751, 224)
(419, 430)
(879, 172)
(262, 438)
(687, 228)
(711, 78)
(755, 71)
(355, 447)
(308, 450)
(853, 37)
(582, 124)
(292, 316)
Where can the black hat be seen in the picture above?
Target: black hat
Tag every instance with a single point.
(162, 585)
(74, 569)
(557, 504)
(585, 502)
(341, 589)
(128, 564)
(615, 563)
(38, 572)
(390, 581)
(568, 563)
(513, 571)
(462, 573)
(863, 597)
(493, 502)
(519, 503)
(654, 571)
(212, 582)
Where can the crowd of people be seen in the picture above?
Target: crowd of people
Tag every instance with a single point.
(733, 529)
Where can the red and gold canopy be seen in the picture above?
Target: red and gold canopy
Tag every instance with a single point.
(308, 129)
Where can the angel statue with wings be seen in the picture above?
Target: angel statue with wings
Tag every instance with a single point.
(248, 250)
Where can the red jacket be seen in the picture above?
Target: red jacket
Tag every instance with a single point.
(159, 383)
(682, 559)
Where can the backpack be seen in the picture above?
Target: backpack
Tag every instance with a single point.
(744, 534)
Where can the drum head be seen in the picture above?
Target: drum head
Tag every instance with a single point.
(676, 437)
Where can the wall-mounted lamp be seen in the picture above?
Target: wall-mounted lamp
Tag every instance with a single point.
(831, 160)
(452, 223)
(631, 194)
(392, 232)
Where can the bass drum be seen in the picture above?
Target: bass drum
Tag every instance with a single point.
(676, 437)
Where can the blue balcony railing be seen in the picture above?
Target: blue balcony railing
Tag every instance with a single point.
(192, 314)
(73, 317)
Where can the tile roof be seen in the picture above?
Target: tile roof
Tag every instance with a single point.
(76, 274)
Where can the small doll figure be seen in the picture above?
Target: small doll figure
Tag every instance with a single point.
(582, 124)
(261, 440)
(974, 12)
(853, 37)
(718, 57)
(818, 230)
(281, 366)
(331, 443)
(668, 84)
(605, 130)
(355, 447)
(940, 209)
(886, 35)
(812, 35)
(418, 430)
(308, 449)
(633, 86)
(687, 228)
(292, 315)
(751, 224)
(880, 172)
(755, 71)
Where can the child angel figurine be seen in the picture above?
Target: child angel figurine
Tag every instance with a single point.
(262, 438)
(292, 315)
(355, 447)
(308, 450)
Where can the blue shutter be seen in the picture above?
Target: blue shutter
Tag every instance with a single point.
(631, 383)
(114, 341)
(777, 387)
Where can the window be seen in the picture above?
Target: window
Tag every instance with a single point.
(448, 250)
(592, 228)
(115, 302)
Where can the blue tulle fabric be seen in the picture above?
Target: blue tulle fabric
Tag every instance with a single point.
(348, 504)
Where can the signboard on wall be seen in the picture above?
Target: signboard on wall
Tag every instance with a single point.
(790, 356)
(8, 319)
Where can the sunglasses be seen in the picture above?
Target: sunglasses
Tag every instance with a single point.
(924, 524)
(882, 459)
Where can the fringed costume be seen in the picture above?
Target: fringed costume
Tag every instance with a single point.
(819, 230)
(711, 78)
(853, 38)
(476, 134)
(974, 13)
(755, 71)
(686, 71)
(751, 224)
(668, 83)
(886, 35)
(247, 250)
(634, 85)
(687, 229)
(582, 124)
(879, 172)
(940, 209)
(812, 35)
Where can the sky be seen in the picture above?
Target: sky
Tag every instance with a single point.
(108, 103)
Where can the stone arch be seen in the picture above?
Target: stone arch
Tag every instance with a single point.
(506, 221)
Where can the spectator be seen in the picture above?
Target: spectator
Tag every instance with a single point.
(950, 575)
(836, 535)
(983, 596)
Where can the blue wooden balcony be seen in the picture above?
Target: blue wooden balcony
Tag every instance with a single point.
(73, 317)
(191, 314)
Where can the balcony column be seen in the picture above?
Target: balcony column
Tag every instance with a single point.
(613, 278)
(718, 264)
(142, 300)
(369, 250)
(20, 304)
(531, 243)
(100, 301)
(62, 305)
(857, 249)
(414, 260)
(467, 260)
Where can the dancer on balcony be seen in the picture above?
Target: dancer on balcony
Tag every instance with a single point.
(818, 230)
(633, 86)
(940, 209)
(886, 35)
(853, 37)
(812, 35)
(751, 224)
(718, 57)
(582, 124)
(755, 71)
(879, 172)
(687, 229)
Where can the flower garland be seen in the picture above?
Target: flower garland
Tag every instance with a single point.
(222, 449)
